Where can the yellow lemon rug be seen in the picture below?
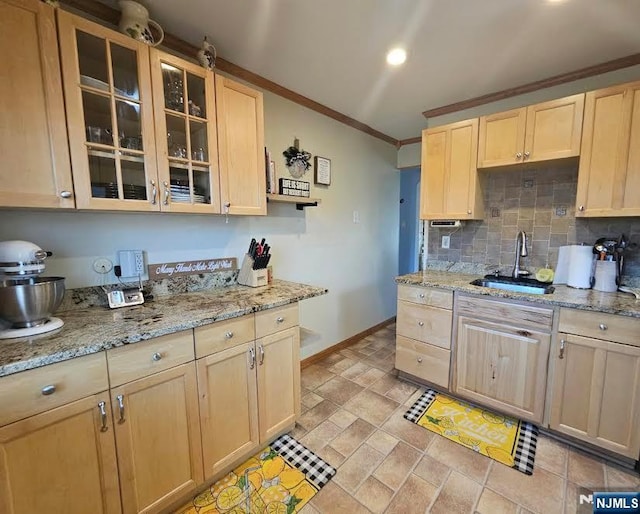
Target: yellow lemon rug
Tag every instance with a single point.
(502, 438)
(281, 479)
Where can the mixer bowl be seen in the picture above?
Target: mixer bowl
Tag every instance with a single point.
(30, 302)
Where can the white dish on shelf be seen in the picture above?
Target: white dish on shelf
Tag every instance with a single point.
(85, 80)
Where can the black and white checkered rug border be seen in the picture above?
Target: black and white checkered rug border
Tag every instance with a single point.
(420, 405)
(314, 468)
(527, 438)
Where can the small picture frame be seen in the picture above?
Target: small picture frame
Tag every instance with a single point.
(322, 167)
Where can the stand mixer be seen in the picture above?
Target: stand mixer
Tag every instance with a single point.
(27, 300)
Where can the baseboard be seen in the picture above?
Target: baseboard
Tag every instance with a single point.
(344, 344)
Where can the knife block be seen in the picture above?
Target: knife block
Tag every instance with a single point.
(249, 276)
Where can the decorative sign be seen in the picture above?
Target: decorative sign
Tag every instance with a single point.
(322, 173)
(290, 187)
(172, 269)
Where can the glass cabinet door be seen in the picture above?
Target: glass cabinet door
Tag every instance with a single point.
(109, 106)
(186, 141)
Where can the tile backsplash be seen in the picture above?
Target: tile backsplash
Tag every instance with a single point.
(540, 201)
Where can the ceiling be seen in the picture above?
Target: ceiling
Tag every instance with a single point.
(333, 51)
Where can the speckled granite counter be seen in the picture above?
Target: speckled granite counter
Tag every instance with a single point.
(94, 329)
(587, 299)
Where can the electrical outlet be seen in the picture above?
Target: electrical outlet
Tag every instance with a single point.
(131, 263)
(445, 241)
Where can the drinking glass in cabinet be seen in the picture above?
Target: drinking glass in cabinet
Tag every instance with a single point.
(173, 87)
(199, 147)
(97, 118)
(196, 96)
(129, 124)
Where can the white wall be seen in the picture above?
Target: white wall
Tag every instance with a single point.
(319, 246)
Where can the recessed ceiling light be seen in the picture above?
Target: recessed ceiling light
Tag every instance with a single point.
(396, 56)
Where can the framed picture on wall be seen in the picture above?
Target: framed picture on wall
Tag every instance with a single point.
(322, 174)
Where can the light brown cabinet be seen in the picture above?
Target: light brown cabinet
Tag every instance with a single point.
(449, 186)
(149, 131)
(596, 382)
(243, 188)
(156, 419)
(57, 440)
(36, 170)
(609, 172)
(539, 132)
(501, 356)
(423, 333)
(249, 389)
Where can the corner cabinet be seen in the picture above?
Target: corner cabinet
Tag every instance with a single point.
(596, 383)
(243, 187)
(36, 170)
(539, 132)
(450, 187)
(609, 172)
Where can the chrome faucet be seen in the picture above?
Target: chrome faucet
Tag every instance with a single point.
(521, 251)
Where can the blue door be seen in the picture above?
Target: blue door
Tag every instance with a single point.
(409, 220)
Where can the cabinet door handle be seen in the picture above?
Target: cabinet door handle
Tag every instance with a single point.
(562, 345)
(419, 359)
(421, 323)
(279, 319)
(48, 389)
(602, 326)
(103, 416)
(154, 192)
(261, 348)
(156, 356)
(519, 155)
(65, 194)
(120, 400)
(166, 193)
(252, 358)
(581, 208)
(228, 335)
(526, 155)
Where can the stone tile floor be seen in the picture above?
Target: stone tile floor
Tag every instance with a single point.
(352, 408)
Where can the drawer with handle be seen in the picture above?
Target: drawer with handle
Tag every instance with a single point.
(224, 334)
(273, 320)
(422, 360)
(426, 296)
(38, 390)
(610, 327)
(138, 360)
(427, 324)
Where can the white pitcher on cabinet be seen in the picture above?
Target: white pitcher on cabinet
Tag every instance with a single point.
(134, 21)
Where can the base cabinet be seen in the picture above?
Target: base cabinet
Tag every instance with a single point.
(596, 393)
(158, 438)
(62, 460)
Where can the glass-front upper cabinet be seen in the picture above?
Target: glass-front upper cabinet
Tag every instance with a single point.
(186, 140)
(107, 87)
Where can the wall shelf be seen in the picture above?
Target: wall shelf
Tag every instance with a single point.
(300, 202)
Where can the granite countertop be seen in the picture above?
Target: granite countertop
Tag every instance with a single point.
(94, 329)
(623, 304)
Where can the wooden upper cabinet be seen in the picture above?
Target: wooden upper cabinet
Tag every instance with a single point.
(186, 134)
(450, 186)
(241, 148)
(540, 132)
(609, 172)
(107, 85)
(36, 171)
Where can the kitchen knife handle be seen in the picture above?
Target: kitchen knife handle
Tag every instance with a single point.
(120, 399)
(103, 416)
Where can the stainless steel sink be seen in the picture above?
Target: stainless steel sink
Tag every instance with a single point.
(521, 285)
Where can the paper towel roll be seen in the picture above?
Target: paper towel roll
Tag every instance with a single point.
(562, 268)
(581, 259)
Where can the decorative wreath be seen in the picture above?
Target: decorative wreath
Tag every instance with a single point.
(297, 161)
